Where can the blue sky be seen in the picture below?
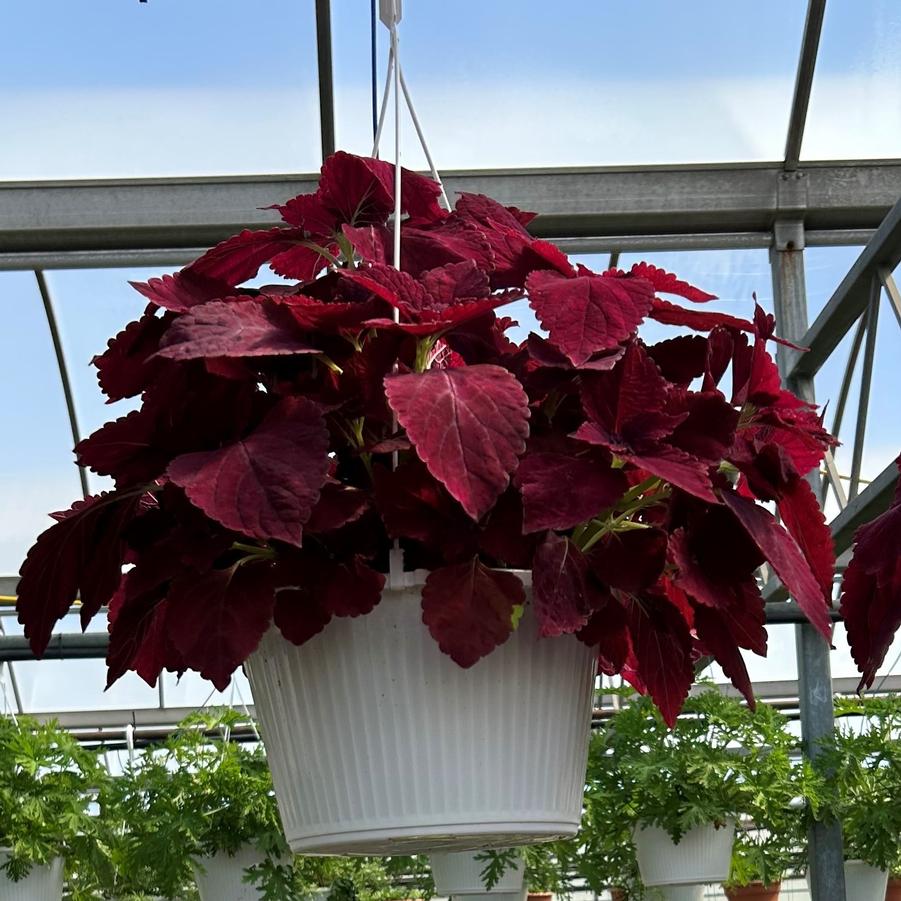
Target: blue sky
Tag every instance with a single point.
(170, 87)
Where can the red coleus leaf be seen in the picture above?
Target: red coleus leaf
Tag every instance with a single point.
(515, 252)
(449, 318)
(804, 520)
(316, 315)
(414, 505)
(469, 609)
(240, 257)
(665, 462)
(608, 631)
(468, 426)
(629, 402)
(125, 368)
(183, 290)
(699, 320)
(560, 491)
(448, 285)
(588, 313)
(360, 191)
(871, 591)
(266, 484)
(434, 293)
(681, 359)
(708, 429)
(784, 556)
(628, 414)
(338, 505)
(424, 248)
(545, 354)
(135, 629)
(714, 634)
(81, 553)
(562, 593)
(234, 328)
(502, 536)
(629, 561)
(312, 589)
(184, 410)
(661, 643)
(667, 283)
(221, 616)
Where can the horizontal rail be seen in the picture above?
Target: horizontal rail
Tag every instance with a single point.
(173, 213)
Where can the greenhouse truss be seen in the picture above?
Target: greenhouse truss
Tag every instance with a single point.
(792, 208)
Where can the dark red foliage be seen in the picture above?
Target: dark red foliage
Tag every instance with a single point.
(469, 609)
(871, 590)
(289, 435)
(588, 313)
(561, 490)
(562, 588)
(468, 426)
(267, 484)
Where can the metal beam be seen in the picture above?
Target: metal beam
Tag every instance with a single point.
(68, 393)
(872, 501)
(75, 645)
(813, 27)
(326, 80)
(177, 213)
(852, 296)
(825, 854)
(172, 257)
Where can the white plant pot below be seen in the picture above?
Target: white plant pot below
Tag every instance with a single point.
(460, 873)
(380, 744)
(702, 856)
(494, 896)
(676, 893)
(220, 877)
(43, 883)
(864, 882)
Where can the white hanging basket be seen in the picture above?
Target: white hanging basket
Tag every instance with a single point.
(43, 883)
(460, 873)
(703, 856)
(864, 882)
(220, 877)
(380, 744)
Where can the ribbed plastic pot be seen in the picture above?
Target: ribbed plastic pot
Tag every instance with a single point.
(220, 877)
(43, 883)
(864, 882)
(380, 744)
(460, 873)
(702, 856)
(756, 891)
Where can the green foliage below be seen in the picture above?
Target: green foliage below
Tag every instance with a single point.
(46, 785)
(859, 773)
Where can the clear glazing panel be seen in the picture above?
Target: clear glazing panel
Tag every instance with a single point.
(109, 89)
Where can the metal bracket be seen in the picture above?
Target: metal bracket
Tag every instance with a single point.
(788, 234)
(791, 192)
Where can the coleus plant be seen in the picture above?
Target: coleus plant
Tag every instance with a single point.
(289, 435)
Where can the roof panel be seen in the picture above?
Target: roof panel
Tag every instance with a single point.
(111, 89)
(855, 112)
(581, 83)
